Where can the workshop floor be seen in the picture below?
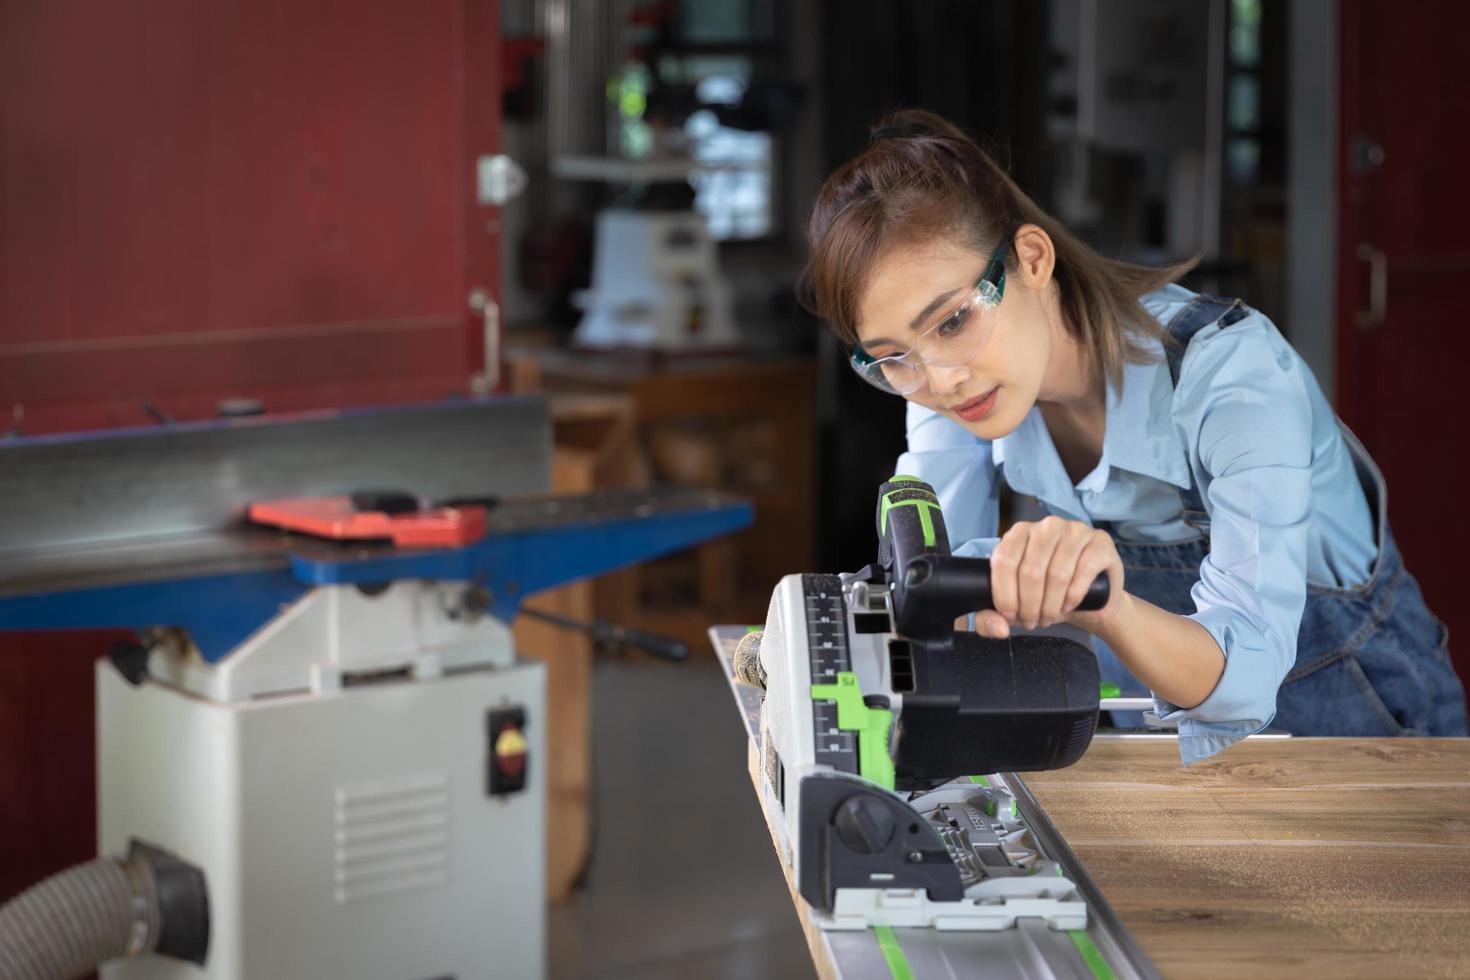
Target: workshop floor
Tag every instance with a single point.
(683, 881)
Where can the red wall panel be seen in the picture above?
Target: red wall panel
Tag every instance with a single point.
(208, 199)
(48, 790)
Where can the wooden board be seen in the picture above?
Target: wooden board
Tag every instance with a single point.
(1308, 857)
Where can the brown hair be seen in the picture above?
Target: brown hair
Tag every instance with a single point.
(920, 179)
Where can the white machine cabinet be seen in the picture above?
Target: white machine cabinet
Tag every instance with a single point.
(325, 820)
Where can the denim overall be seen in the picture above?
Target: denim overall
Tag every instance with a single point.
(1370, 659)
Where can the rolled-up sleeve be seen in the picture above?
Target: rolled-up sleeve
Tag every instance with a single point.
(961, 470)
(1251, 416)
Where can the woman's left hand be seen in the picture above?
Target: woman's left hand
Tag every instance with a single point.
(1040, 571)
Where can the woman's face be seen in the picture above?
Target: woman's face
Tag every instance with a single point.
(991, 393)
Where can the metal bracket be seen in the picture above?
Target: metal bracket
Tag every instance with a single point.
(484, 382)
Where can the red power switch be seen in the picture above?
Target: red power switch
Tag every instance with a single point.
(506, 729)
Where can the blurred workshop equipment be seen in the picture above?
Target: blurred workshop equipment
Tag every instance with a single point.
(741, 423)
(332, 728)
(591, 449)
(656, 279)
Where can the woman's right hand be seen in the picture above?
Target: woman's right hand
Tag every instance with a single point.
(1040, 571)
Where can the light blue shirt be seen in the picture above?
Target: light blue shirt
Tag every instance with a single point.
(1251, 424)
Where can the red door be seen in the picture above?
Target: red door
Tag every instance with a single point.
(1404, 274)
(205, 199)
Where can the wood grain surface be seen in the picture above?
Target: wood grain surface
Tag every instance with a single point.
(1300, 857)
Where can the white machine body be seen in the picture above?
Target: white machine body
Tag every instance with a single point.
(330, 777)
(656, 284)
(789, 738)
(340, 632)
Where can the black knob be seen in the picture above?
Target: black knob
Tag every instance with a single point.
(385, 501)
(131, 660)
(865, 824)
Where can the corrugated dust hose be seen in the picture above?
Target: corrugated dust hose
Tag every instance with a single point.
(68, 924)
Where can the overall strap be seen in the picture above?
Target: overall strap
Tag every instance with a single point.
(1201, 312)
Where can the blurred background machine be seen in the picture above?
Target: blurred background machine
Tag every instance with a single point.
(679, 148)
(331, 729)
(656, 280)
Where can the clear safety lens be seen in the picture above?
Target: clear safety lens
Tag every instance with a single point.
(953, 339)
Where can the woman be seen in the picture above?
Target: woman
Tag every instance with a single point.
(1176, 440)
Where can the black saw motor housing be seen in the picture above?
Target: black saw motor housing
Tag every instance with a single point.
(982, 706)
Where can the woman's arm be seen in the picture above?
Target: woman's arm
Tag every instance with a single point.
(1176, 657)
(1041, 570)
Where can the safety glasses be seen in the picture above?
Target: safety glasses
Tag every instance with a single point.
(954, 337)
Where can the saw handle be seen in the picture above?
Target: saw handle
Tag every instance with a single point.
(970, 577)
(935, 589)
(931, 587)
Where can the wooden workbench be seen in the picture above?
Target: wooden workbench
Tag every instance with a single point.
(1301, 857)
(1281, 857)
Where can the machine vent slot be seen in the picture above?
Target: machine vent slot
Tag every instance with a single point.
(1079, 737)
(870, 622)
(391, 836)
(774, 770)
(901, 666)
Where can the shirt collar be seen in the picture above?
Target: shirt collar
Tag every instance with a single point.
(1032, 466)
(1140, 437)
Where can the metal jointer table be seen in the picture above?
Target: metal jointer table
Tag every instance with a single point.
(339, 734)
